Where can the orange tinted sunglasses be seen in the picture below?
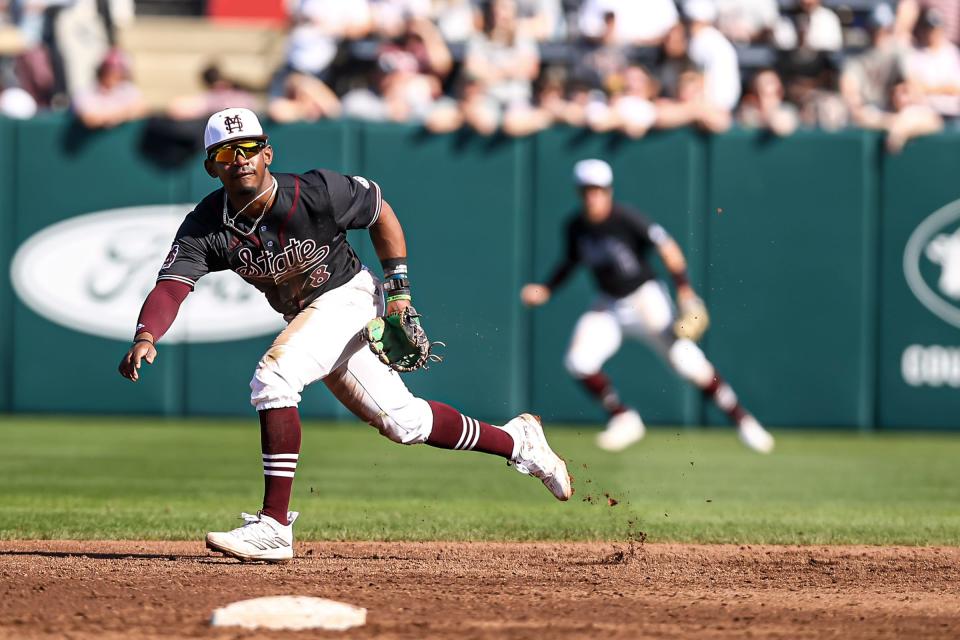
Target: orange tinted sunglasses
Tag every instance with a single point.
(227, 154)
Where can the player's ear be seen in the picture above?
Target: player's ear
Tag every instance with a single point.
(209, 167)
(267, 155)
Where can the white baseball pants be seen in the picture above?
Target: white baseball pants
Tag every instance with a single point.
(324, 342)
(646, 314)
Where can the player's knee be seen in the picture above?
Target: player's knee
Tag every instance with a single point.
(409, 424)
(690, 362)
(275, 383)
(580, 364)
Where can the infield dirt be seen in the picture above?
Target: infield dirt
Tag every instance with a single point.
(67, 589)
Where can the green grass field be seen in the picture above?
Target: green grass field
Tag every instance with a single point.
(141, 478)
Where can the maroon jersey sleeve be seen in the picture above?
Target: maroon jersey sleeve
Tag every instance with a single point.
(354, 202)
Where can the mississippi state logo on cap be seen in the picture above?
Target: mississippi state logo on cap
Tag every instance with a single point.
(232, 124)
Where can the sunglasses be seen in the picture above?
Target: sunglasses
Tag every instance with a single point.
(227, 154)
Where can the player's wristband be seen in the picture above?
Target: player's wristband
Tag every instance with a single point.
(680, 279)
(394, 267)
(150, 342)
(396, 281)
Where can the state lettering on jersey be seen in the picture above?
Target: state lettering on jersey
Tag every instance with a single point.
(296, 257)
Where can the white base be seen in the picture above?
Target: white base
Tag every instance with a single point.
(290, 612)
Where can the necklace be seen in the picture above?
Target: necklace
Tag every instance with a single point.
(231, 223)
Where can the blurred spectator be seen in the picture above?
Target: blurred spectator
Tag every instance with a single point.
(471, 107)
(867, 81)
(220, 93)
(815, 27)
(598, 59)
(304, 98)
(934, 67)
(763, 106)
(638, 22)
(713, 54)
(673, 61)
(503, 65)
(114, 99)
(541, 19)
(78, 35)
(823, 29)
(455, 19)
(390, 17)
(318, 28)
(747, 20)
(551, 107)
(911, 117)
(409, 76)
(631, 111)
(692, 107)
(810, 77)
(908, 12)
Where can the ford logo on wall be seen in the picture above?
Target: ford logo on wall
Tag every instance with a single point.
(931, 263)
(92, 272)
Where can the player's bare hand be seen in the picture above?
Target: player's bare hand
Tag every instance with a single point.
(534, 295)
(140, 352)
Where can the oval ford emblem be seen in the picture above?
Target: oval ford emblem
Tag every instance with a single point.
(931, 263)
(92, 272)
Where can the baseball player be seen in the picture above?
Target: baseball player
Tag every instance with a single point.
(285, 234)
(613, 241)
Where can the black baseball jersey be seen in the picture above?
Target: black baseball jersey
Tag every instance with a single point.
(614, 250)
(295, 252)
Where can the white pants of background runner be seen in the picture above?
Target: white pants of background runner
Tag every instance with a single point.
(646, 314)
(324, 342)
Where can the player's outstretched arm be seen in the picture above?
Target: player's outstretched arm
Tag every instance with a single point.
(158, 313)
(391, 247)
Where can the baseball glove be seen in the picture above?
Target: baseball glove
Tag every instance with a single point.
(693, 321)
(399, 341)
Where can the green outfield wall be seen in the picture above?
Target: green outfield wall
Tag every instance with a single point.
(831, 269)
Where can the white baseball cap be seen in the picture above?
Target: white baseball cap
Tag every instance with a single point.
(232, 124)
(593, 173)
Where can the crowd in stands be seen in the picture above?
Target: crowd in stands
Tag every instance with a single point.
(519, 66)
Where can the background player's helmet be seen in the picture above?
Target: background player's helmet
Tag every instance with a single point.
(232, 124)
(593, 173)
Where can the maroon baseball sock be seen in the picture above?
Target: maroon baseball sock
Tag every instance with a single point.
(453, 430)
(280, 443)
(726, 400)
(599, 386)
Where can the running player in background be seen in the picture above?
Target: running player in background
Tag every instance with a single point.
(613, 241)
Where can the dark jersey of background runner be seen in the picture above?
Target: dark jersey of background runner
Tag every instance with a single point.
(614, 250)
(297, 251)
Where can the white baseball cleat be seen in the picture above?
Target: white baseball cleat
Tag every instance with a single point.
(754, 435)
(536, 458)
(622, 431)
(260, 538)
